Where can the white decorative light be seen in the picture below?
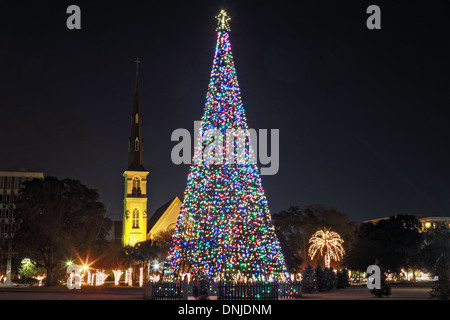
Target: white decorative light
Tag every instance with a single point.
(154, 278)
(130, 277)
(89, 279)
(328, 241)
(117, 274)
(222, 21)
(38, 278)
(100, 277)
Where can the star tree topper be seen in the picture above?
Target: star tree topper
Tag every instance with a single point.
(222, 21)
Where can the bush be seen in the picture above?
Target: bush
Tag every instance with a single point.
(441, 287)
(320, 279)
(330, 278)
(342, 280)
(308, 285)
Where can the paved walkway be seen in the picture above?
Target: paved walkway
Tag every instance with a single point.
(63, 293)
(399, 292)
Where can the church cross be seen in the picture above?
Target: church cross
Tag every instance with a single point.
(137, 61)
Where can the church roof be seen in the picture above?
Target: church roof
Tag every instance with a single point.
(158, 214)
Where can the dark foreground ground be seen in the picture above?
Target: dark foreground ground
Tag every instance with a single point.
(400, 291)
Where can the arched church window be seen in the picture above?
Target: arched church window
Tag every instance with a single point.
(136, 186)
(136, 144)
(135, 218)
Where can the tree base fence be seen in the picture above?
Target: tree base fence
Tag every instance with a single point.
(165, 291)
(222, 290)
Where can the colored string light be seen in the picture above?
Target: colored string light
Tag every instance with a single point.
(224, 230)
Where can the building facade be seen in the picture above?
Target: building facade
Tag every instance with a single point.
(427, 223)
(10, 185)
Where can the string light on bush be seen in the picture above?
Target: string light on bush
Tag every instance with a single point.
(117, 274)
(130, 276)
(100, 277)
(39, 278)
(141, 277)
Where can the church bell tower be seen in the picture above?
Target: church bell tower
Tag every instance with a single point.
(135, 201)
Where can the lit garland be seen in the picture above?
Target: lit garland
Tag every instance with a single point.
(224, 229)
(100, 277)
(129, 277)
(329, 243)
(89, 280)
(38, 278)
(117, 274)
(154, 278)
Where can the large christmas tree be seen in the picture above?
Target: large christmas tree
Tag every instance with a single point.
(224, 230)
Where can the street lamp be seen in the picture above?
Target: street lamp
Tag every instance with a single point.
(156, 266)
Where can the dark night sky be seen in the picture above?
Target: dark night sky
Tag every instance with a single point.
(363, 114)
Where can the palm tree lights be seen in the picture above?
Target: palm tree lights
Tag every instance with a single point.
(328, 243)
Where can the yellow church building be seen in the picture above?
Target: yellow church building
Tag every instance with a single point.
(135, 224)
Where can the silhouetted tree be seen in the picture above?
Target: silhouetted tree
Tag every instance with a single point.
(156, 248)
(394, 242)
(57, 218)
(441, 287)
(436, 243)
(290, 237)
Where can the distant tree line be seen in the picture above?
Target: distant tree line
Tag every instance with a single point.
(396, 243)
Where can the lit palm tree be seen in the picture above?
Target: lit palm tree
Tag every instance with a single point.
(329, 243)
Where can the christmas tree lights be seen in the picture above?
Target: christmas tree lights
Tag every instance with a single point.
(224, 230)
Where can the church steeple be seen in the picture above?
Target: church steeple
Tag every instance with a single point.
(135, 200)
(136, 143)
